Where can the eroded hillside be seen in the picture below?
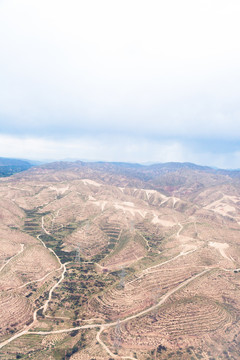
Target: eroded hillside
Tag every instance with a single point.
(101, 261)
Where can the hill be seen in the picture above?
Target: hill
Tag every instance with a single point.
(9, 166)
(120, 261)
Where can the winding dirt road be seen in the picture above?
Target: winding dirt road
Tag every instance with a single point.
(102, 327)
(45, 306)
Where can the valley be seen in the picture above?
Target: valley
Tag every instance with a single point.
(100, 261)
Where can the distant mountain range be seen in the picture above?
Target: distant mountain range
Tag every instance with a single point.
(170, 173)
(9, 167)
(140, 170)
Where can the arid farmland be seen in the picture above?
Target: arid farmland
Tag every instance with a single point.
(99, 262)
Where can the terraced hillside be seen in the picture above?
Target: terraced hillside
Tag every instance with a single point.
(107, 261)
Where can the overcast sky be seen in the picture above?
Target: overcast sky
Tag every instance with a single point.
(129, 80)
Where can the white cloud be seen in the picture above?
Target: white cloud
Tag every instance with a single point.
(159, 67)
(109, 149)
(153, 76)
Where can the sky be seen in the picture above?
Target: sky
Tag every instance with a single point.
(130, 80)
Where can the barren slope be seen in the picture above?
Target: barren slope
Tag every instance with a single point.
(117, 261)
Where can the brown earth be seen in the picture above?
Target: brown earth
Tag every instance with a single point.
(106, 245)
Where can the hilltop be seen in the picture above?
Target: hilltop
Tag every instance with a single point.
(125, 261)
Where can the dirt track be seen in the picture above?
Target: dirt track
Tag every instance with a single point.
(20, 251)
(101, 327)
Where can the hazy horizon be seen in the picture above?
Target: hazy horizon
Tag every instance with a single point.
(147, 163)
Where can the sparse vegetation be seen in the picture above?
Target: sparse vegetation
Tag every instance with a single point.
(179, 253)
